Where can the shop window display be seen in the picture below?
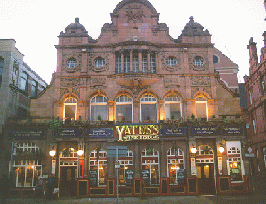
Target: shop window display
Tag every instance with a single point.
(98, 166)
(150, 167)
(175, 162)
(234, 156)
(126, 169)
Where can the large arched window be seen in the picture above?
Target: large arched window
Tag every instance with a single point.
(123, 109)
(148, 108)
(173, 107)
(70, 109)
(98, 108)
(150, 166)
(175, 162)
(201, 108)
(98, 166)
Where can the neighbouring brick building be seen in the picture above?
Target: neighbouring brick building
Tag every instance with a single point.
(136, 87)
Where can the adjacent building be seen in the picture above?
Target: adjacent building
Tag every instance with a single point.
(160, 100)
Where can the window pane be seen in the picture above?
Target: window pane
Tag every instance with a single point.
(201, 110)
(124, 112)
(98, 111)
(149, 111)
(70, 111)
(172, 111)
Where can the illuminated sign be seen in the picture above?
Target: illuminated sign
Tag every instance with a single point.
(34, 133)
(138, 132)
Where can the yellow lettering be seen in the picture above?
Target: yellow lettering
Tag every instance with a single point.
(120, 131)
(127, 131)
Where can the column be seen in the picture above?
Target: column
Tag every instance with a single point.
(140, 60)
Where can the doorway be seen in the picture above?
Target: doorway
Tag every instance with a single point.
(205, 174)
(68, 181)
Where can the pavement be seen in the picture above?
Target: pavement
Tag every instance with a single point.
(229, 199)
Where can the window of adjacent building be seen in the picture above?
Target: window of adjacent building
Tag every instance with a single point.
(98, 108)
(99, 62)
(263, 85)
(135, 62)
(72, 63)
(24, 81)
(234, 157)
(15, 73)
(201, 108)
(34, 86)
(250, 97)
(98, 166)
(198, 61)
(173, 108)
(123, 109)
(118, 64)
(148, 108)
(70, 109)
(1, 69)
(126, 63)
(175, 161)
(215, 59)
(254, 126)
(150, 166)
(126, 169)
(171, 61)
(26, 172)
(264, 156)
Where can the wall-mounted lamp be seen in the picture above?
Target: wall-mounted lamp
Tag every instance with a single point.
(221, 149)
(52, 152)
(80, 151)
(193, 150)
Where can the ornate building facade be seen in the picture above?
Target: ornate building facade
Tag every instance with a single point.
(136, 87)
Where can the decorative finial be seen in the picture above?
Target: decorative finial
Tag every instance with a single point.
(191, 19)
(76, 20)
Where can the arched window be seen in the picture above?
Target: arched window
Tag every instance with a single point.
(201, 108)
(150, 166)
(175, 162)
(98, 108)
(26, 171)
(126, 169)
(173, 107)
(98, 166)
(123, 109)
(148, 108)
(234, 159)
(70, 109)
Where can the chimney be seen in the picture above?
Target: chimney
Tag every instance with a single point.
(253, 56)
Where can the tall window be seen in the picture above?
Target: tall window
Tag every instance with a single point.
(24, 81)
(173, 107)
(135, 62)
(118, 63)
(175, 161)
(15, 73)
(70, 109)
(150, 166)
(98, 108)
(126, 169)
(250, 97)
(144, 62)
(126, 63)
(201, 108)
(148, 108)
(152, 63)
(98, 166)
(33, 88)
(1, 69)
(26, 172)
(263, 85)
(123, 109)
(234, 156)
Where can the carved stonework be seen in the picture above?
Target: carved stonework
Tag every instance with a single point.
(194, 90)
(171, 81)
(200, 80)
(208, 90)
(65, 91)
(91, 62)
(165, 55)
(98, 81)
(205, 65)
(134, 13)
(66, 57)
(71, 82)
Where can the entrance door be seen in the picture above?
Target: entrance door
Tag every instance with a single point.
(205, 174)
(68, 181)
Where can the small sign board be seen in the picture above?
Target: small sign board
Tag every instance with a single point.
(249, 155)
(111, 151)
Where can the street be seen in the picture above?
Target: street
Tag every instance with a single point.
(234, 199)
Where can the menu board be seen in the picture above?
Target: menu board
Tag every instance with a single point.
(93, 178)
(181, 176)
(146, 176)
(129, 177)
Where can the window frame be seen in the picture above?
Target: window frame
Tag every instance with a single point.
(70, 103)
(148, 99)
(198, 61)
(128, 102)
(178, 101)
(98, 103)
(72, 63)
(202, 100)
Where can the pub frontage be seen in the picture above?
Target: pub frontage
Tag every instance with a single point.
(135, 87)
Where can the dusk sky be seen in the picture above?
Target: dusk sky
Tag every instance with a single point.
(35, 25)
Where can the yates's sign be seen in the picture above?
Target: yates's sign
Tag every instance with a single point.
(138, 132)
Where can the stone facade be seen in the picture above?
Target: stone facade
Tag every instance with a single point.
(136, 86)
